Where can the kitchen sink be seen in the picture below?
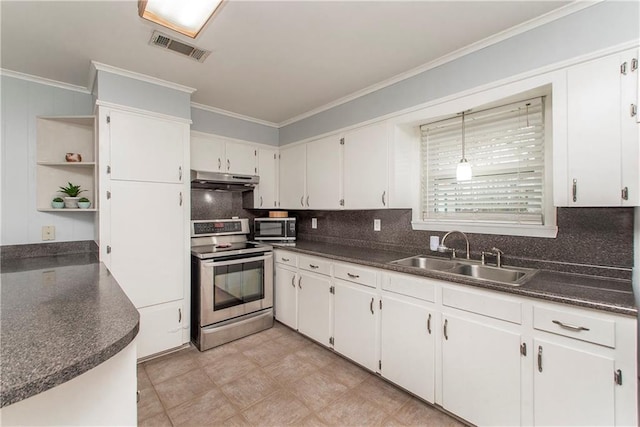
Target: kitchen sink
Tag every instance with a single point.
(426, 263)
(460, 267)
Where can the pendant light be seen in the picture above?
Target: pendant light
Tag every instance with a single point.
(463, 171)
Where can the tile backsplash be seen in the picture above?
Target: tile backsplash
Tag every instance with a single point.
(601, 237)
(590, 240)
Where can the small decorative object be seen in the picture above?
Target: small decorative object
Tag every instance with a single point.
(57, 203)
(72, 191)
(73, 157)
(84, 203)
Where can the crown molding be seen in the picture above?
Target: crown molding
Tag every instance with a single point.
(476, 46)
(42, 80)
(114, 106)
(97, 66)
(234, 115)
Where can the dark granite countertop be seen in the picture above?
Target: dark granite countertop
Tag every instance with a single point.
(601, 293)
(61, 316)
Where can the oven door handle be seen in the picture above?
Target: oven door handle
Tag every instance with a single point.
(235, 261)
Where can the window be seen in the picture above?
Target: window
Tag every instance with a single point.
(506, 149)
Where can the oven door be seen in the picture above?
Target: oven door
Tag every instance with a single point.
(234, 286)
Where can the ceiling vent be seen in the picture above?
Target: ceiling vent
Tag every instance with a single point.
(166, 42)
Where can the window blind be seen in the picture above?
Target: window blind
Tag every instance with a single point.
(505, 147)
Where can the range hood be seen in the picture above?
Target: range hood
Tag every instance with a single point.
(223, 181)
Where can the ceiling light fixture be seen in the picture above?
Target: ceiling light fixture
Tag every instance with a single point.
(463, 171)
(185, 17)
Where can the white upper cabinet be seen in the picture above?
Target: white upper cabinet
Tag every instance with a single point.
(265, 195)
(602, 134)
(292, 177)
(210, 153)
(146, 148)
(324, 173)
(366, 184)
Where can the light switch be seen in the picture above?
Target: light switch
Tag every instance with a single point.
(376, 225)
(48, 232)
(314, 223)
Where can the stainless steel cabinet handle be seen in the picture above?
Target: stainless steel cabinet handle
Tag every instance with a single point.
(314, 266)
(429, 324)
(260, 201)
(539, 358)
(307, 201)
(293, 281)
(285, 259)
(570, 326)
(384, 194)
(575, 190)
(180, 173)
(633, 110)
(371, 306)
(181, 198)
(300, 282)
(219, 163)
(228, 164)
(446, 323)
(138, 396)
(179, 315)
(302, 201)
(353, 276)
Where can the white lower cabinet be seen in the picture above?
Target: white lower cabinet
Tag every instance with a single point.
(355, 317)
(407, 345)
(160, 328)
(314, 306)
(480, 372)
(485, 356)
(286, 299)
(572, 387)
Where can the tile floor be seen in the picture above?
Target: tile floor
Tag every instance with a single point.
(276, 377)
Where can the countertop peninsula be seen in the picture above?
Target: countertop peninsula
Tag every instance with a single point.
(61, 316)
(595, 292)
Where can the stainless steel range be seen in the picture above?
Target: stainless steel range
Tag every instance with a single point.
(231, 282)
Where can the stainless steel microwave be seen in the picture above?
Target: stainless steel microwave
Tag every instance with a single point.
(275, 229)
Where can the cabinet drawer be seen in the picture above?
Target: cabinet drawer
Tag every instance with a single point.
(575, 325)
(317, 265)
(486, 305)
(355, 274)
(284, 257)
(410, 286)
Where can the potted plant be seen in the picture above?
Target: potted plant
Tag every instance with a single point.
(84, 203)
(72, 191)
(57, 203)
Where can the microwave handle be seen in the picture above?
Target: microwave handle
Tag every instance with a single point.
(234, 261)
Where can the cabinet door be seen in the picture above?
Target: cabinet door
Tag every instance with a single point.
(324, 173)
(286, 296)
(480, 372)
(207, 154)
(572, 387)
(594, 151)
(366, 168)
(160, 328)
(265, 194)
(314, 307)
(145, 148)
(241, 159)
(408, 346)
(292, 177)
(355, 309)
(148, 258)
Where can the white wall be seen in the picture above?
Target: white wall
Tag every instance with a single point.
(22, 102)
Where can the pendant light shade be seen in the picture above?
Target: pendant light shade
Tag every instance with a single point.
(463, 170)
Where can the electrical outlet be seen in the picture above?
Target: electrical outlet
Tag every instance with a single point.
(48, 232)
(314, 223)
(376, 225)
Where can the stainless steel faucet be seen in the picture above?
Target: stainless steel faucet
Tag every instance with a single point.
(495, 252)
(444, 248)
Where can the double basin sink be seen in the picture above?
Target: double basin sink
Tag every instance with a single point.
(514, 276)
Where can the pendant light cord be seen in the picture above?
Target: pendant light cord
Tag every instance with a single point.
(463, 136)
